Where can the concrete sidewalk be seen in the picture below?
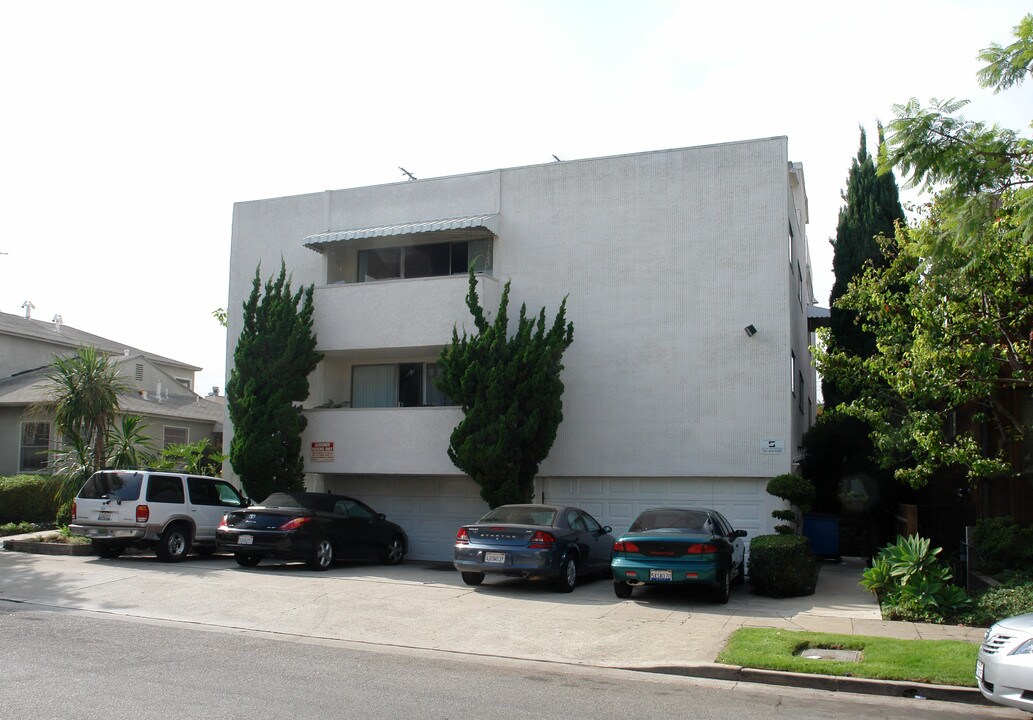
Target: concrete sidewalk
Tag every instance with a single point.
(426, 606)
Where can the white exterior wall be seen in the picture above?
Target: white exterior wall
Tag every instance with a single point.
(664, 258)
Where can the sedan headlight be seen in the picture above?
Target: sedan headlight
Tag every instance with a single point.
(1025, 648)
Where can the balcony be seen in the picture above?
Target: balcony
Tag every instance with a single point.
(382, 441)
(396, 313)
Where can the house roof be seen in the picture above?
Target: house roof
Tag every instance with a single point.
(60, 334)
(30, 387)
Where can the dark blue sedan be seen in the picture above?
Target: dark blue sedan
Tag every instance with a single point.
(534, 541)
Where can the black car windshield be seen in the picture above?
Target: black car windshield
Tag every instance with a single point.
(521, 515)
(112, 485)
(692, 520)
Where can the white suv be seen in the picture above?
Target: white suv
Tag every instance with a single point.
(169, 512)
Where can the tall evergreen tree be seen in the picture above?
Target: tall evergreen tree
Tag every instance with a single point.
(511, 394)
(872, 208)
(274, 356)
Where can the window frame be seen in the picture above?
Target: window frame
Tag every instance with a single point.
(165, 435)
(34, 449)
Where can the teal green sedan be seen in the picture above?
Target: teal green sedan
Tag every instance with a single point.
(679, 546)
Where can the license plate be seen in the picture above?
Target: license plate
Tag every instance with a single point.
(979, 670)
(246, 540)
(100, 531)
(492, 557)
(661, 574)
(104, 516)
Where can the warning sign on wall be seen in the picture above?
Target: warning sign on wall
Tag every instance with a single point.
(322, 452)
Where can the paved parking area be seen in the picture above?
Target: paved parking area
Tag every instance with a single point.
(427, 606)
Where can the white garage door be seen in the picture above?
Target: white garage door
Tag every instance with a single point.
(617, 501)
(430, 509)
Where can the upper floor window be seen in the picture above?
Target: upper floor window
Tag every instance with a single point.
(175, 436)
(792, 372)
(426, 260)
(35, 444)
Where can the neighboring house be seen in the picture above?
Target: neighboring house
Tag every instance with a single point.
(688, 281)
(162, 392)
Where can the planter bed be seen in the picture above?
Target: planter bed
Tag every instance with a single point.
(39, 547)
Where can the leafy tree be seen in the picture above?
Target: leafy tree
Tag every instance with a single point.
(274, 356)
(510, 391)
(130, 447)
(198, 458)
(951, 310)
(872, 208)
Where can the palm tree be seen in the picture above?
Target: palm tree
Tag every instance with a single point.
(85, 388)
(128, 445)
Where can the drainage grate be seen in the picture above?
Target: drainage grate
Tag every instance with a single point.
(829, 654)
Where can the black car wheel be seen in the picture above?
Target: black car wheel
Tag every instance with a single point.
(567, 578)
(174, 544)
(106, 550)
(472, 578)
(245, 560)
(621, 589)
(740, 577)
(724, 590)
(322, 555)
(395, 550)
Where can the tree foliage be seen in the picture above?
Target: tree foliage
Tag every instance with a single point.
(510, 392)
(951, 310)
(871, 209)
(274, 356)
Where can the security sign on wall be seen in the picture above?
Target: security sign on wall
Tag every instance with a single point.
(772, 446)
(322, 452)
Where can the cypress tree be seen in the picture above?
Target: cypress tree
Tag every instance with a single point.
(872, 207)
(510, 392)
(274, 356)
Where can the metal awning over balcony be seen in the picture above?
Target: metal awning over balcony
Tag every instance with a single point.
(321, 241)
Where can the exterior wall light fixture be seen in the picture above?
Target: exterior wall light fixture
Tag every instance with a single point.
(750, 330)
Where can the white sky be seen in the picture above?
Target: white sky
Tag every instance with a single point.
(129, 129)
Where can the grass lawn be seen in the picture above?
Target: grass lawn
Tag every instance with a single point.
(940, 662)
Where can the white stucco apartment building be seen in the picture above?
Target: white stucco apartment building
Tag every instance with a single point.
(688, 281)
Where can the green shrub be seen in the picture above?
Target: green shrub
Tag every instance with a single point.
(912, 584)
(782, 566)
(23, 528)
(999, 603)
(64, 514)
(28, 498)
(1003, 545)
(798, 492)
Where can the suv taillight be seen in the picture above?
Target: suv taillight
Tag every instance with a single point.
(542, 540)
(143, 513)
(74, 516)
(462, 537)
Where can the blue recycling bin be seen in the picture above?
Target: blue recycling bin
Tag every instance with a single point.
(823, 532)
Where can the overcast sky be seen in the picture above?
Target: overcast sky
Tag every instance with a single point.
(131, 128)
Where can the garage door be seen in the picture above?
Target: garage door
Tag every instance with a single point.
(430, 509)
(617, 501)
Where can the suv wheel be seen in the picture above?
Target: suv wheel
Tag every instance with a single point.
(174, 544)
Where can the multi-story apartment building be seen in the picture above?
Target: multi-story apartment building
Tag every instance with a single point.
(688, 281)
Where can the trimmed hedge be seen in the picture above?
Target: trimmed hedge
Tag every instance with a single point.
(28, 498)
(782, 566)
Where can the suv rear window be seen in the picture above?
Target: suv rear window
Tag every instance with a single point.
(112, 486)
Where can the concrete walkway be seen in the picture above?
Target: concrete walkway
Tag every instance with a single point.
(427, 606)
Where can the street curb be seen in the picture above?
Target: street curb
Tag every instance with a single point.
(832, 683)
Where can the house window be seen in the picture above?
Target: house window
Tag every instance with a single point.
(792, 371)
(35, 444)
(185, 382)
(790, 244)
(799, 284)
(427, 260)
(397, 385)
(175, 436)
(799, 399)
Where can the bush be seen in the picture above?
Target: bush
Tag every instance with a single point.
(999, 603)
(912, 583)
(782, 566)
(28, 498)
(1003, 545)
(798, 492)
(23, 528)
